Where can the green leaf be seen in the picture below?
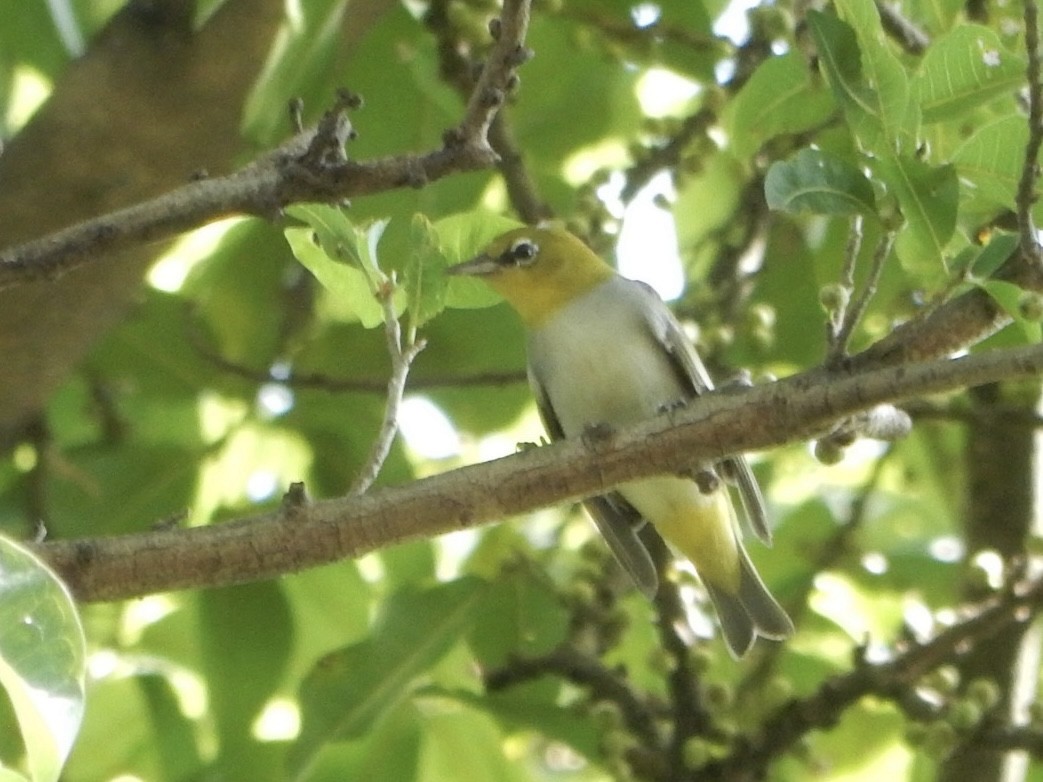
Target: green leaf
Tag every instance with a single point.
(466, 745)
(444, 243)
(990, 161)
(521, 614)
(964, 69)
(42, 658)
(391, 750)
(342, 256)
(536, 707)
(780, 97)
(425, 281)
(817, 182)
(885, 75)
(867, 80)
(301, 56)
(1009, 296)
(350, 690)
(934, 16)
(928, 196)
(246, 633)
(174, 732)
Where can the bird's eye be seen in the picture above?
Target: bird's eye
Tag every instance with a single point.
(523, 252)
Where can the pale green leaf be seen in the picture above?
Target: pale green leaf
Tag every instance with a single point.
(346, 283)
(463, 744)
(993, 255)
(425, 281)
(934, 17)
(42, 659)
(458, 238)
(963, 69)
(343, 257)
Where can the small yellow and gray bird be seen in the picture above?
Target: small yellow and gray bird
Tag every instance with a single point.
(604, 349)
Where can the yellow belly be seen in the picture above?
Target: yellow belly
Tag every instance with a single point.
(700, 526)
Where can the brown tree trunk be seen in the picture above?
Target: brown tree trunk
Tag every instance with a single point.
(150, 103)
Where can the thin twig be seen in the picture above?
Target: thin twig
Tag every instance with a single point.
(851, 253)
(689, 715)
(910, 37)
(1026, 196)
(318, 381)
(838, 309)
(860, 303)
(569, 663)
(458, 70)
(401, 359)
(667, 154)
(521, 187)
(833, 550)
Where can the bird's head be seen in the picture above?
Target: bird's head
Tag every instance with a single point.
(537, 270)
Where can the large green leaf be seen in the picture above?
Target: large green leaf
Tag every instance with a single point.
(819, 183)
(465, 744)
(42, 659)
(780, 97)
(928, 196)
(990, 161)
(521, 614)
(965, 68)
(867, 80)
(1010, 297)
(886, 78)
(351, 689)
(246, 633)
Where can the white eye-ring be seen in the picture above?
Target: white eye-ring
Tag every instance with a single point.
(523, 252)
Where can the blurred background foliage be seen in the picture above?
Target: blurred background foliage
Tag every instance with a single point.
(651, 128)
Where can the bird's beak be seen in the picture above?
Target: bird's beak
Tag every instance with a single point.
(478, 266)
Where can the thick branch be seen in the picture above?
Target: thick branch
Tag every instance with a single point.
(292, 173)
(270, 544)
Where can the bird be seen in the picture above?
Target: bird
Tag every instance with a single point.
(605, 350)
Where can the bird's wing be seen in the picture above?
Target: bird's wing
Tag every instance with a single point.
(693, 374)
(616, 520)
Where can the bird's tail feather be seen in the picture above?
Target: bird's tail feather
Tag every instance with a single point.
(750, 612)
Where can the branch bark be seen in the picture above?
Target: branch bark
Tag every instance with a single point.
(305, 535)
(292, 173)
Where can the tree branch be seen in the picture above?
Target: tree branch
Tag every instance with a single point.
(292, 173)
(891, 679)
(1026, 196)
(274, 543)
